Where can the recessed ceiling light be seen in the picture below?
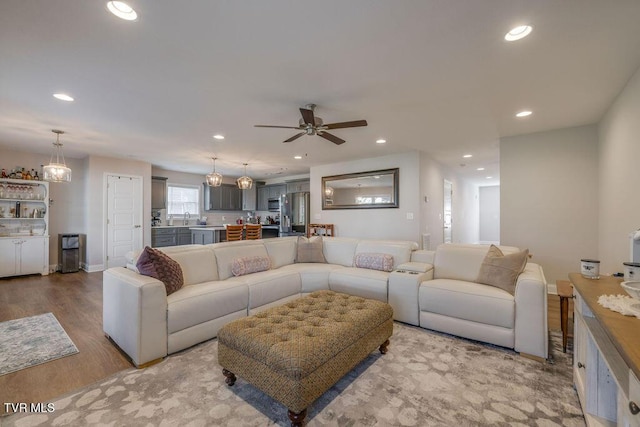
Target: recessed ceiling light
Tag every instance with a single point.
(381, 141)
(518, 33)
(62, 97)
(122, 10)
(489, 177)
(467, 156)
(524, 113)
(297, 157)
(480, 169)
(218, 136)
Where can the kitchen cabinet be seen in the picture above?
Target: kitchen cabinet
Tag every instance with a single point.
(158, 192)
(205, 236)
(227, 197)
(24, 255)
(607, 356)
(277, 190)
(170, 236)
(263, 198)
(183, 236)
(302, 186)
(249, 199)
(24, 227)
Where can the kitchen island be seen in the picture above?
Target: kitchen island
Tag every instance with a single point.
(204, 235)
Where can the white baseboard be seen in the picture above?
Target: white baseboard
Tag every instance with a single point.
(92, 268)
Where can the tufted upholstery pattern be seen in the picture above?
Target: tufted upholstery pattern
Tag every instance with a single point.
(297, 351)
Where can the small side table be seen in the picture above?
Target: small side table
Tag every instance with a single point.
(565, 291)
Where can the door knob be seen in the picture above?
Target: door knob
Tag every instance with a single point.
(136, 226)
(633, 407)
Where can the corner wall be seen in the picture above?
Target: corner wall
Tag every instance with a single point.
(549, 197)
(619, 176)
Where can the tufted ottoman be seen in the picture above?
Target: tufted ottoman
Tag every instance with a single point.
(297, 351)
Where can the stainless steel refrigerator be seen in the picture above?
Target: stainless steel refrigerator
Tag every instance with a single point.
(294, 214)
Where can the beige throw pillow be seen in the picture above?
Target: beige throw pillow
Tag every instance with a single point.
(501, 270)
(310, 250)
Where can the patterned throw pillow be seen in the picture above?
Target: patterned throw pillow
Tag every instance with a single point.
(501, 270)
(158, 265)
(374, 261)
(250, 264)
(310, 250)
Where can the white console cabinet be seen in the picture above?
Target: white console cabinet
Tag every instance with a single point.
(606, 356)
(24, 227)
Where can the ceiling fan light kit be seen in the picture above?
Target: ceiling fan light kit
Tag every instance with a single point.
(310, 124)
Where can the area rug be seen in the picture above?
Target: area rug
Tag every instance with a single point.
(31, 341)
(426, 379)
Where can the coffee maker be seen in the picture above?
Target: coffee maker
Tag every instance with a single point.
(155, 218)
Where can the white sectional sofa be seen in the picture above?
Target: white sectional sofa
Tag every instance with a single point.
(147, 324)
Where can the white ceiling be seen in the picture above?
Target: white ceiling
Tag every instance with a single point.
(433, 75)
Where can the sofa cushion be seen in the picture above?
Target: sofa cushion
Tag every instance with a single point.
(468, 301)
(400, 250)
(310, 249)
(374, 261)
(313, 276)
(461, 261)
(268, 286)
(193, 305)
(226, 252)
(339, 250)
(360, 281)
(250, 264)
(158, 265)
(198, 265)
(501, 270)
(282, 250)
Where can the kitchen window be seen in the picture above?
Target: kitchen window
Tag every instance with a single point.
(183, 199)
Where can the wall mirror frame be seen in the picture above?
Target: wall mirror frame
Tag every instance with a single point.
(362, 190)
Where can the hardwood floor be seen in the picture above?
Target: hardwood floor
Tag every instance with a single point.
(76, 301)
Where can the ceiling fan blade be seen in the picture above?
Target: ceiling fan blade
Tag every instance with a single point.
(294, 137)
(331, 138)
(279, 127)
(307, 116)
(342, 125)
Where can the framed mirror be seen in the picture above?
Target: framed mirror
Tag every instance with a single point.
(362, 190)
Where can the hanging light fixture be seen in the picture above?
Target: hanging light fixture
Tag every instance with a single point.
(57, 172)
(214, 179)
(244, 182)
(328, 192)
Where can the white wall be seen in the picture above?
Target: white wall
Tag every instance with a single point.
(549, 197)
(66, 210)
(619, 176)
(490, 214)
(465, 203)
(387, 223)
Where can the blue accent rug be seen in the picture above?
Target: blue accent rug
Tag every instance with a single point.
(31, 341)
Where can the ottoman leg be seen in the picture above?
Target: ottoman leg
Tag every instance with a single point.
(297, 419)
(231, 377)
(384, 346)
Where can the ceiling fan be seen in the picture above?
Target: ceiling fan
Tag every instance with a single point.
(310, 124)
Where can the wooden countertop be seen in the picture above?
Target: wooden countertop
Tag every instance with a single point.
(623, 331)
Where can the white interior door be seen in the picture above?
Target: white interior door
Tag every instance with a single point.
(448, 201)
(124, 218)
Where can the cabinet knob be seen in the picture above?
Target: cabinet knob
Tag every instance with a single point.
(581, 365)
(633, 407)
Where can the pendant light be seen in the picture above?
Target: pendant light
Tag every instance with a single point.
(57, 172)
(214, 179)
(244, 182)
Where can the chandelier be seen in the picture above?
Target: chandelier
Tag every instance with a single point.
(57, 172)
(214, 179)
(244, 182)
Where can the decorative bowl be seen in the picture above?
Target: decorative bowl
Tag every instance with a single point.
(632, 288)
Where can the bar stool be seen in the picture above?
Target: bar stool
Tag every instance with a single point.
(234, 232)
(254, 231)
